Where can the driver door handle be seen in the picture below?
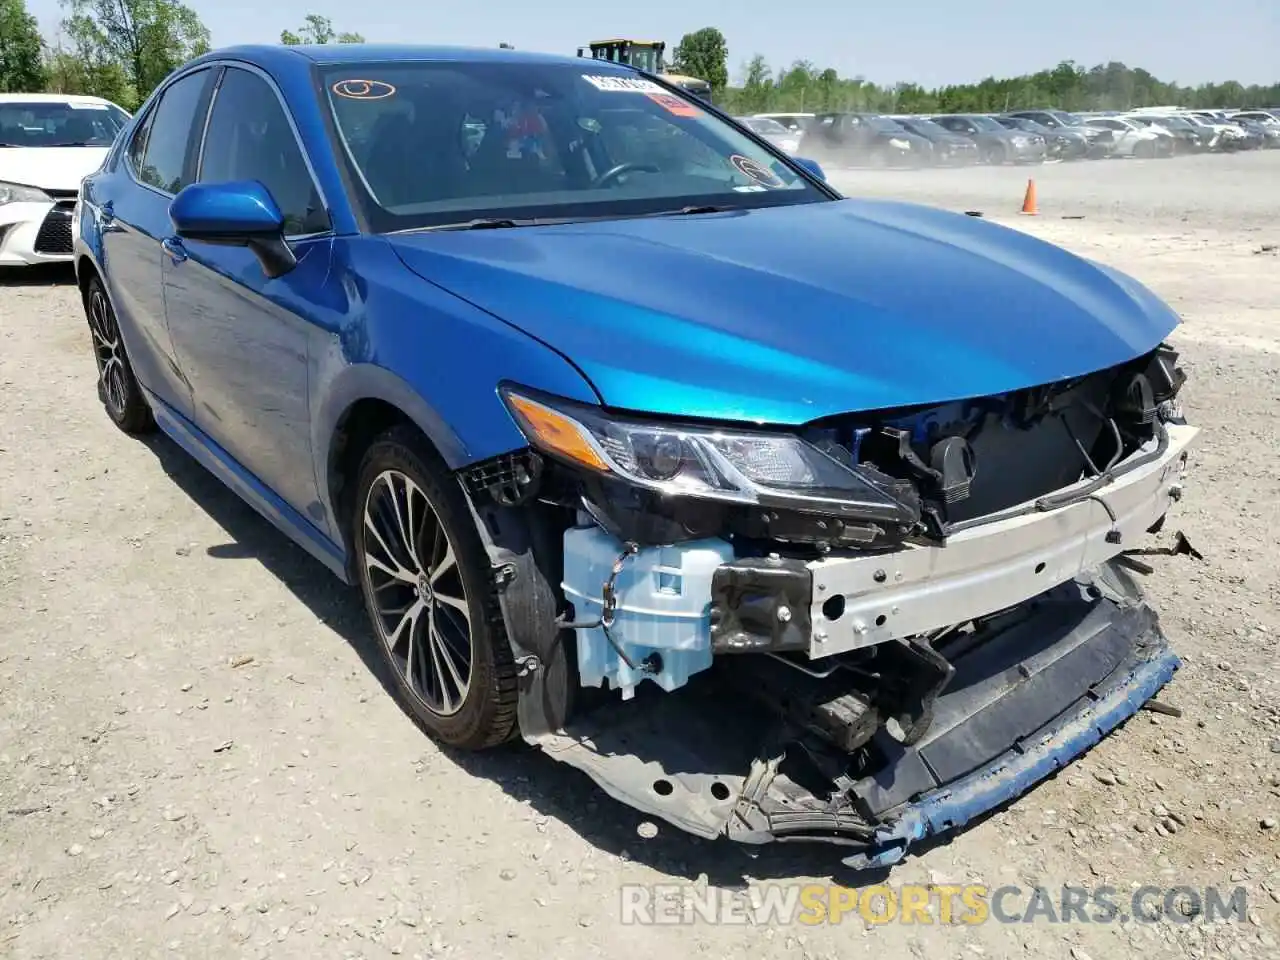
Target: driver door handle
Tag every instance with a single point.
(107, 218)
(174, 248)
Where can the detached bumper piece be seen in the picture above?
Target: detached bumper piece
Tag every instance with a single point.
(1142, 670)
(1023, 695)
(866, 698)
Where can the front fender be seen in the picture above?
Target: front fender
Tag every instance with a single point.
(350, 384)
(433, 356)
(86, 242)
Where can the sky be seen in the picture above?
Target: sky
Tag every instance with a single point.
(931, 42)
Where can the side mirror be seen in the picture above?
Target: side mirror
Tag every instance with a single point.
(237, 214)
(811, 166)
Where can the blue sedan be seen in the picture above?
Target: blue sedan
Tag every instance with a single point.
(782, 515)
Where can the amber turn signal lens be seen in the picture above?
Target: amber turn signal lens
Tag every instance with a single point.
(555, 433)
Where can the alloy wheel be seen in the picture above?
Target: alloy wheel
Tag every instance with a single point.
(415, 584)
(112, 380)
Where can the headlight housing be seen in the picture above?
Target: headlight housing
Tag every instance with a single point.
(17, 193)
(749, 467)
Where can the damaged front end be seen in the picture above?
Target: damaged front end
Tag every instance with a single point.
(863, 632)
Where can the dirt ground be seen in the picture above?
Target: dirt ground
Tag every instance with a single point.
(157, 799)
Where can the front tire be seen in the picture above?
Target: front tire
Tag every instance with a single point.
(118, 388)
(430, 596)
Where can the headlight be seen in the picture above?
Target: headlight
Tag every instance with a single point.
(790, 146)
(17, 193)
(899, 143)
(736, 466)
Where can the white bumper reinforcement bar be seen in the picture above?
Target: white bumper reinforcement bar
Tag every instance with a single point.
(991, 567)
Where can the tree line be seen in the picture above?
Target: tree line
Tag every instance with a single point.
(116, 49)
(121, 49)
(805, 87)
(802, 87)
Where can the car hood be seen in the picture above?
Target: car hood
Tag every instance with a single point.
(50, 168)
(788, 314)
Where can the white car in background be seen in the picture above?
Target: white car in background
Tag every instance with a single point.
(788, 141)
(797, 123)
(48, 143)
(1227, 136)
(1133, 140)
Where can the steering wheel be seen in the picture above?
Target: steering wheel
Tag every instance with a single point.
(614, 172)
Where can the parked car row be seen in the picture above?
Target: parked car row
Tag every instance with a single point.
(1022, 136)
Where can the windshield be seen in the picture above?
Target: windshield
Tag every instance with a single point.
(436, 144)
(926, 128)
(31, 123)
(645, 58)
(1071, 120)
(985, 123)
(1174, 123)
(883, 124)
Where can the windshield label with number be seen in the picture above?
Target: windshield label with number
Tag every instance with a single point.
(623, 84)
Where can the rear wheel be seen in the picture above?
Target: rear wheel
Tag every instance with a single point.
(430, 596)
(118, 388)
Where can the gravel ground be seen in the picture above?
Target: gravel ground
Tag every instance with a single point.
(198, 758)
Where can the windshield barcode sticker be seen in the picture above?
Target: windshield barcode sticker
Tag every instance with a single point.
(673, 105)
(622, 84)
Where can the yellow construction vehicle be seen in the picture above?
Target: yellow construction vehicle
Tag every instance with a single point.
(646, 55)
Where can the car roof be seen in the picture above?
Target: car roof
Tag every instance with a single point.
(332, 53)
(51, 98)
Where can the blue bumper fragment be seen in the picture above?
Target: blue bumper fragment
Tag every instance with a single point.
(1016, 772)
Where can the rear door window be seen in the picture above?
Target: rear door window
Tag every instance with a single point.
(176, 121)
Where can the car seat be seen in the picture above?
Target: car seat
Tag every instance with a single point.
(417, 159)
(78, 129)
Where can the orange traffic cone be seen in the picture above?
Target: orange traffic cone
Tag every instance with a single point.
(1029, 201)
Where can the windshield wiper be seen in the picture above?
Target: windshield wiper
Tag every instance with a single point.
(689, 211)
(484, 223)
